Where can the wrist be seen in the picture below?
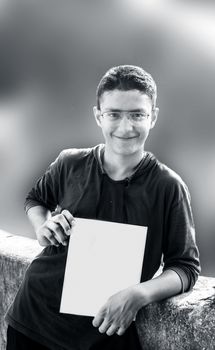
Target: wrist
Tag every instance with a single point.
(164, 286)
(141, 295)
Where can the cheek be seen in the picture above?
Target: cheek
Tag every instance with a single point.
(143, 135)
(107, 131)
(143, 132)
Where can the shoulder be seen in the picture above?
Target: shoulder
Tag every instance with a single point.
(170, 181)
(75, 158)
(72, 154)
(168, 175)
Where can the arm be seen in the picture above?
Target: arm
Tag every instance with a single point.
(180, 250)
(38, 215)
(51, 226)
(47, 191)
(181, 268)
(121, 308)
(164, 286)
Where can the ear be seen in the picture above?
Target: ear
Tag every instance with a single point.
(154, 117)
(97, 115)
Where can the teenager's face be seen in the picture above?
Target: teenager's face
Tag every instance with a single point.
(125, 137)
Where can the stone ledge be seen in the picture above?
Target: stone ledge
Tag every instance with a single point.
(184, 322)
(18, 247)
(16, 253)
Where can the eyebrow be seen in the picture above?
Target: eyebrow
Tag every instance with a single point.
(121, 110)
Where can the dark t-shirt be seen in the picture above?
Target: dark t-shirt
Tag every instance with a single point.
(154, 196)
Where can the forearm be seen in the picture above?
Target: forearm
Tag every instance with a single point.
(37, 216)
(164, 286)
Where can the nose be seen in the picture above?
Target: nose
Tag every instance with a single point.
(125, 124)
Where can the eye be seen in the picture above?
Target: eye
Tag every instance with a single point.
(113, 115)
(139, 116)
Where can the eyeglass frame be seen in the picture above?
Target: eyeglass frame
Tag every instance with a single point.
(128, 115)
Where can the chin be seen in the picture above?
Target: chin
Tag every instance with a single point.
(126, 151)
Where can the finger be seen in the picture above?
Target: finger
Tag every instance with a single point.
(62, 221)
(57, 232)
(57, 211)
(69, 217)
(112, 329)
(104, 326)
(99, 318)
(49, 235)
(121, 330)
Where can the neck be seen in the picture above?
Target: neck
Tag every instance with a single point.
(119, 166)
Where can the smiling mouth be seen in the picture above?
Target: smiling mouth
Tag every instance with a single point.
(125, 138)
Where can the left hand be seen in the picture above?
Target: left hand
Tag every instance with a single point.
(116, 315)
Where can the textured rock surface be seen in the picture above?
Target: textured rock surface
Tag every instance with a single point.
(15, 255)
(184, 322)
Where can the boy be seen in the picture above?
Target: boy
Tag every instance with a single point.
(121, 182)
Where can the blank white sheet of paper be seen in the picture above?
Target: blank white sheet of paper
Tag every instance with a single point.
(103, 258)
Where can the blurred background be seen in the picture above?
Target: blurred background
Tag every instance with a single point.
(52, 56)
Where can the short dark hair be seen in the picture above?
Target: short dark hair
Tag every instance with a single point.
(127, 77)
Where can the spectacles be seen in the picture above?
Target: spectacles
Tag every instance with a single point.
(116, 117)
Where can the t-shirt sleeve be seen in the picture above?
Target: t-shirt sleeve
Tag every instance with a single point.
(180, 250)
(46, 190)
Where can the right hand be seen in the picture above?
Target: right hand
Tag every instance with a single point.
(56, 229)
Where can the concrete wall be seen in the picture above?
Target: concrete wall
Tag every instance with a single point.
(183, 322)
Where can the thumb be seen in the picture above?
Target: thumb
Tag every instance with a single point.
(57, 210)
